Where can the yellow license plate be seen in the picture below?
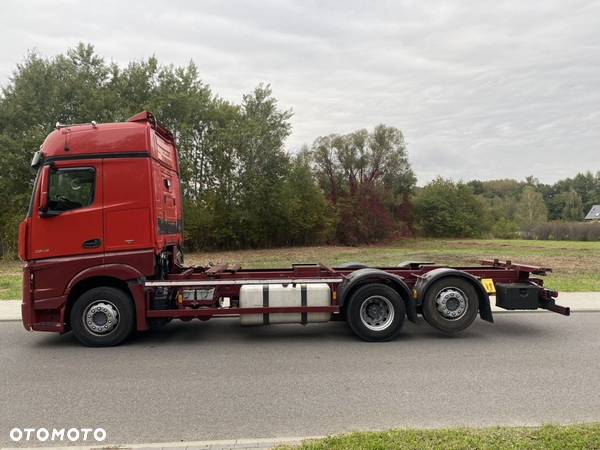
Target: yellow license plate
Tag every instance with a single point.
(488, 285)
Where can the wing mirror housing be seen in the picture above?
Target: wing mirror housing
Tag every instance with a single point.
(43, 199)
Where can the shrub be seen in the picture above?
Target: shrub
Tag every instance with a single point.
(447, 209)
(364, 218)
(565, 231)
(505, 229)
(9, 226)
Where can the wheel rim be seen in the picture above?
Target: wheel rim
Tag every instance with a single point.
(452, 303)
(101, 317)
(377, 313)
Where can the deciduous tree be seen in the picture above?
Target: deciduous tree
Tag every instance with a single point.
(531, 209)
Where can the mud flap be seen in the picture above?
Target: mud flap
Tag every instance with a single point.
(485, 310)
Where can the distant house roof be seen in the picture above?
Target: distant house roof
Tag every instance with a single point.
(594, 213)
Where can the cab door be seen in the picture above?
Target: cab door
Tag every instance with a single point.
(71, 223)
(127, 204)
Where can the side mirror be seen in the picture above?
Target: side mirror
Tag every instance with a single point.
(37, 159)
(43, 200)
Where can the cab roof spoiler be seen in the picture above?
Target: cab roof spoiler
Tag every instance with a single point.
(147, 116)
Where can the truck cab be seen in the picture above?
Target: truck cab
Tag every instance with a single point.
(105, 211)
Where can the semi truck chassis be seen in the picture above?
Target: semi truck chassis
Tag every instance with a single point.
(214, 291)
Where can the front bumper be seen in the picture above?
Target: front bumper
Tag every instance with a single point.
(41, 315)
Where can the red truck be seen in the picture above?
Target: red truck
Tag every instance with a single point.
(102, 249)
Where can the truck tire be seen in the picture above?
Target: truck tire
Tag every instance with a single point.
(375, 312)
(450, 304)
(102, 317)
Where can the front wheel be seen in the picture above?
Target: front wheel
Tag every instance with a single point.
(450, 304)
(375, 312)
(102, 317)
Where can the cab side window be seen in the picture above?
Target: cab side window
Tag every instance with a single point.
(71, 188)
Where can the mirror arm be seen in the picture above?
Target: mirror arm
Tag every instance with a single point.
(49, 213)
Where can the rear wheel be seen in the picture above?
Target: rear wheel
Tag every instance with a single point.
(375, 312)
(102, 317)
(450, 304)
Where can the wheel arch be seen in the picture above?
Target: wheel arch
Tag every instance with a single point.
(365, 276)
(352, 265)
(424, 284)
(120, 276)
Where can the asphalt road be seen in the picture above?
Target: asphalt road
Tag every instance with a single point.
(217, 380)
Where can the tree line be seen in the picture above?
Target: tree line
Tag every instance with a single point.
(241, 186)
(509, 208)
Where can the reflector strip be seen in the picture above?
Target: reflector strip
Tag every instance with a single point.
(488, 285)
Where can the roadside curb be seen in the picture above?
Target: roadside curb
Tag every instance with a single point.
(10, 310)
(222, 444)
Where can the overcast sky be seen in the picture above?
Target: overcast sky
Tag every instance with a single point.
(480, 89)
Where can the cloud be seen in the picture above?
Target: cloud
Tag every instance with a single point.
(480, 89)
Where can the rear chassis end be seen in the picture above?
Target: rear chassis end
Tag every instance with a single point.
(529, 295)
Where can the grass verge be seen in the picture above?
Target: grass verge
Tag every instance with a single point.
(10, 287)
(551, 437)
(10, 279)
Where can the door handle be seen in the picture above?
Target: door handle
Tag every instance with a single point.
(92, 243)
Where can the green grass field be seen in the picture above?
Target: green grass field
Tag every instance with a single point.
(549, 437)
(576, 264)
